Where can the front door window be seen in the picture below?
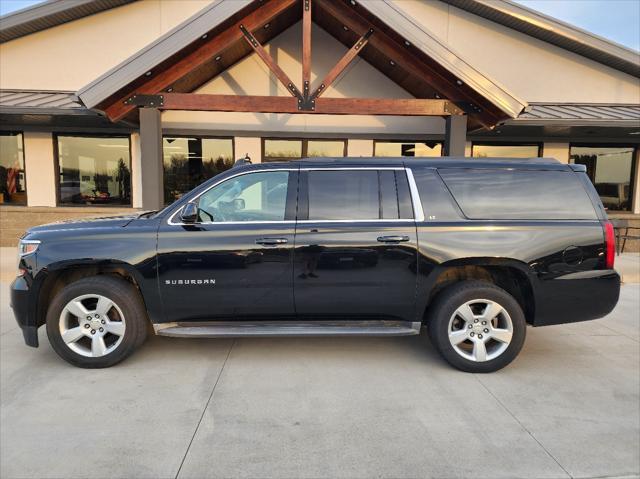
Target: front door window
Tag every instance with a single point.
(251, 197)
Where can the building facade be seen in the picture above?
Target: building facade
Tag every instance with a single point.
(113, 105)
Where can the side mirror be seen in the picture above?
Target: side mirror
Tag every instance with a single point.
(238, 204)
(189, 213)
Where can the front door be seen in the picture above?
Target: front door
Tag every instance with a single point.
(356, 245)
(236, 261)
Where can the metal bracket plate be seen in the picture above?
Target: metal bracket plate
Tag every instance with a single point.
(145, 101)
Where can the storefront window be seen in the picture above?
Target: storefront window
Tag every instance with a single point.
(611, 171)
(286, 149)
(94, 170)
(13, 188)
(189, 161)
(505, 151)
(402, 148)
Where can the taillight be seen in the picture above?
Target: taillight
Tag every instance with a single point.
(609, 245)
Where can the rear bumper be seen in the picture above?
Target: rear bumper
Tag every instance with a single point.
(20, 294)
(576, 297)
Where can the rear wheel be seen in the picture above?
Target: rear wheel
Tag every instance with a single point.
(477, 327)
(96, 322)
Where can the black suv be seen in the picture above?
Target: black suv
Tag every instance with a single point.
(473, 249)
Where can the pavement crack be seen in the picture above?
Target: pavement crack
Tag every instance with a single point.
(523, 426)
(206, 406)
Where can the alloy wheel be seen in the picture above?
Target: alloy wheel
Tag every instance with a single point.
(480, 330)
(92, 325)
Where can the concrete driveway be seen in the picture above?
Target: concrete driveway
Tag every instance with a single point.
(323, 407)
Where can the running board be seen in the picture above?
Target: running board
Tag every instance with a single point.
(232, 329)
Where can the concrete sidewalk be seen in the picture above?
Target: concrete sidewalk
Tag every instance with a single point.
(569, 406)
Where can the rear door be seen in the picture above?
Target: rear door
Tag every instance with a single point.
(356, 245)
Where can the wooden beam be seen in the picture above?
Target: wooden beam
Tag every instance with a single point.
(306, 46)
(271, 64)
(332, 106)
(236, 103)
(200, 56)
(401, 54)
(343, 63)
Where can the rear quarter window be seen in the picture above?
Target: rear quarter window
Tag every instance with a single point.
(519, 194)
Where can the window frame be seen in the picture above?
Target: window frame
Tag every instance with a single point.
(304, 148)
(24, 166)
(303, 198)
(537, 144)
(376, 141)
(200, 137)
(635, 164)
(293, 175)
(56, 160)
(298, 173)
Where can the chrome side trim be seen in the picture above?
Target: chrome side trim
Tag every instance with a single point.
(352, 168)
(225, 329)
(415, 196)
(376, 220)
(170, 221)
(160, 326)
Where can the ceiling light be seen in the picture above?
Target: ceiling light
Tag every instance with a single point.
(218, 58)
(148, 73)
(204, 36)
(392, 63)
(267, 25)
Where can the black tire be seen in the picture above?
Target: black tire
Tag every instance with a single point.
(455, 296)
(124, 295)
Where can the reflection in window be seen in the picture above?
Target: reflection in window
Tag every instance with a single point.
(611, 172)
(339, 195)
(505, 151)
(400, 148)
(13, 188)
(291, 149)
(251, 197)
(278, 150)
(94, 170)
(189, 161)
(330, 148)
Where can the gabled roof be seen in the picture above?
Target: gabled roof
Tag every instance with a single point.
(452, 68)
(159, 51)
(50, 14)
(556, 32)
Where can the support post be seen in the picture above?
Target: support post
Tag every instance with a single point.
(151, 158)
(455, 135)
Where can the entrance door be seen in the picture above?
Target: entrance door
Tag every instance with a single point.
(237, 259)
(356, 245)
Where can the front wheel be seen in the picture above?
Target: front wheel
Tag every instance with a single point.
(477, 327)
(96, 322)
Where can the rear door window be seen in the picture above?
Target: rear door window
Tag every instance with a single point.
(344, 195)
(518, 194)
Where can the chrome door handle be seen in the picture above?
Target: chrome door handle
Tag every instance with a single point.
(393, 239)
(271, 241)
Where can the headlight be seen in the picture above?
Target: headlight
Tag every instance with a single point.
(26, 247)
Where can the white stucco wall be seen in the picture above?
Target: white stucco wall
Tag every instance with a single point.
(39, 168)
(246, 145)
(69, 56)
(531, 69)
(558, 151)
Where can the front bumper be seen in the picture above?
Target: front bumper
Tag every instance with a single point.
(20, 294)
